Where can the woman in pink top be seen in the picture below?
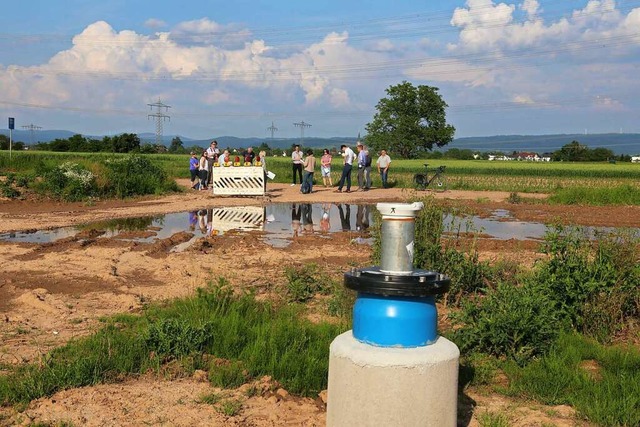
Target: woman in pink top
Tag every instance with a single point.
(325, 167)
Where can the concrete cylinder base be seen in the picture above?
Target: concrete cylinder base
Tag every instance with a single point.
(383, 386)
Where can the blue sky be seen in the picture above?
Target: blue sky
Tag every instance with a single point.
(234, 67)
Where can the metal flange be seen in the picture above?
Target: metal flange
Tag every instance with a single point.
(419, 283)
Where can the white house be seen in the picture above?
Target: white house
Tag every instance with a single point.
(635, 159)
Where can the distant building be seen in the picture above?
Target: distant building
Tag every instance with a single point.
(528, 156)
(501, 158)
(635, 159)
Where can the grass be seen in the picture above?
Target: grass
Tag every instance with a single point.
(253, 335)
(601, 382)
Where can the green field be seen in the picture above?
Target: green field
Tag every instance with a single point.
(586, 183)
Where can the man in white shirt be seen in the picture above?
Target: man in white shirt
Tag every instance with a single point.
(383, 163)
(296, 162)
(212, 155)
(348, 158)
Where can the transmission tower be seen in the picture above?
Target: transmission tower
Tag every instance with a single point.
(31, 128)
(160, 117)
(273, 129)
(302, 125)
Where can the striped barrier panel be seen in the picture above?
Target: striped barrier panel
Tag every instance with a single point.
(238, 181)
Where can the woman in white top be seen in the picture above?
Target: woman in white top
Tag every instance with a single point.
(203, 170)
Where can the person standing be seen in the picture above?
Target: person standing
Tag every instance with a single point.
(325, 167)
(249, 156)
(296, 161)
(383, 163)
(362, 161)
(262, 159)
(212, 155)
(367, 168)
(348, 158)
(194, 163)
(309, 166)
(203, 170)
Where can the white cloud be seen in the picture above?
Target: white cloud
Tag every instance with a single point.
(531, 8)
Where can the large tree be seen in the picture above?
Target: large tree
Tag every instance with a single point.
(409, 120)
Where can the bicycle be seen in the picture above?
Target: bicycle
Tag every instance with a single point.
(422, 180)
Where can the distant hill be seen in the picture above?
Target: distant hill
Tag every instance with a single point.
(619, 143)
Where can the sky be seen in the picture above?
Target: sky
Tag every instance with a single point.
(235, 68)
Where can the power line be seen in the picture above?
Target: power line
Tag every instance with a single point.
(160, 117)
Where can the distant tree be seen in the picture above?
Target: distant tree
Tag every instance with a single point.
(4, 142)
(572, 152)
(600, 154)
(125, 143)
(409, 120)
(176, 145)
(58, 144)
(147, 148)
(457, 153)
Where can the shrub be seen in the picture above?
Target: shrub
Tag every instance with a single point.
(514, 321)
(70, 181)
(593, 282)
(303, 282)
(135, 175)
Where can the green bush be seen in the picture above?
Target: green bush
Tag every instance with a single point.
(7, 190)
(304, 281)
(69, 181)
(135, 175)
(514, 321)
(593, 282)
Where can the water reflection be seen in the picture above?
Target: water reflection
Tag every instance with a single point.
(278, 223)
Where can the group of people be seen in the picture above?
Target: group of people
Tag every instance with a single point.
(363, 160)
(201, 168)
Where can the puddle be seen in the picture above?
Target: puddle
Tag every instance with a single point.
(277, 224)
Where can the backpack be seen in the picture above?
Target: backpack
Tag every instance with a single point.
(367, 160)
(305, 188)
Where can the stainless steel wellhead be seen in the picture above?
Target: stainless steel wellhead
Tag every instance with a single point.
(397, 234)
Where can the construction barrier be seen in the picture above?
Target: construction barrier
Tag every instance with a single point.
(238, 181)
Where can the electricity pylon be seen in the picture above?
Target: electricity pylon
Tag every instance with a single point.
(273, 129)
(160, 117)
(31, 128)
(302, 125)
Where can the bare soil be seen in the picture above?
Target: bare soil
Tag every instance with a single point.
(51, 293)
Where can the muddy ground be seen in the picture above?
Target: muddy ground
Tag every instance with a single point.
(51, 293)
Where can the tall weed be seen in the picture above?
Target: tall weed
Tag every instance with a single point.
(593, 281)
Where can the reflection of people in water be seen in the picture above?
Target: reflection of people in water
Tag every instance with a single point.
(295, 219)
(202, 221)
(345, 217)
(193, 220)
(325, 223)
(362, 218)
(307, 219)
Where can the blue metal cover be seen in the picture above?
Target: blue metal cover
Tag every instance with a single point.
(395, 321)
